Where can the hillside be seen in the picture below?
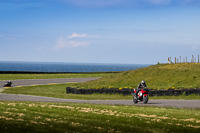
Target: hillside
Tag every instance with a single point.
(161, 76)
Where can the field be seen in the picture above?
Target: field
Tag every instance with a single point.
(161, 76)
(65, 117)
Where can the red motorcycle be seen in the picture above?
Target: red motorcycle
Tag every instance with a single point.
(141, 95)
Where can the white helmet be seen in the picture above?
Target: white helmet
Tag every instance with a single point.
(142, 82)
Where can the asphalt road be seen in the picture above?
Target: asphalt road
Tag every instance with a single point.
(29, 82)
(161, 103)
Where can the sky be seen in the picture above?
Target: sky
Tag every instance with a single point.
(99, 31)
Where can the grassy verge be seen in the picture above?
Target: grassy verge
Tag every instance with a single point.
(71, 117)
(59, 91)
(51, 76)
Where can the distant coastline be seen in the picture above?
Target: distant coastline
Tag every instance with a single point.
(60, 67)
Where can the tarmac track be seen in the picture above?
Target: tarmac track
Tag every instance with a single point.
(161, 103)
(29, 82)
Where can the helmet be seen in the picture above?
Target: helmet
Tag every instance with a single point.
(142, 82)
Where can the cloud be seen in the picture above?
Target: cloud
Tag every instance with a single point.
(76, 35)
(67, 42)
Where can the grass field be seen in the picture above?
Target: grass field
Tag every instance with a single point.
(51, 76)
(161, 76)
(59, 91)
(71, 117)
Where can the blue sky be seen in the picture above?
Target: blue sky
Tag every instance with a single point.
(99, 31)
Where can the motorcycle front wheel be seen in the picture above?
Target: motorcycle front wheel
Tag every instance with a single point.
(135, 99)
(145, 99)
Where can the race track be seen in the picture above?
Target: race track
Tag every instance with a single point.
(29, 82)
(161, 103)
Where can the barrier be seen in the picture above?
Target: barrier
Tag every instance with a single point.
(125, 91)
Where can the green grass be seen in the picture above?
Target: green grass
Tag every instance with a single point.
(59, 91)
(72, 117)
(161, 76)
(51, 76)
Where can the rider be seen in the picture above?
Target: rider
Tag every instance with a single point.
(141, 85)
(9, 83)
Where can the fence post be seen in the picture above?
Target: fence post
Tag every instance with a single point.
(186, 59)
(180, 59)
(168, 60)
(198, 58)
(192, 59)
(175, 60)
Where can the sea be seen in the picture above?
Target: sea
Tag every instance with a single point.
(61, 67)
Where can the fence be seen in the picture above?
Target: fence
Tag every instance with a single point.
(185, 60)
(124, 91)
